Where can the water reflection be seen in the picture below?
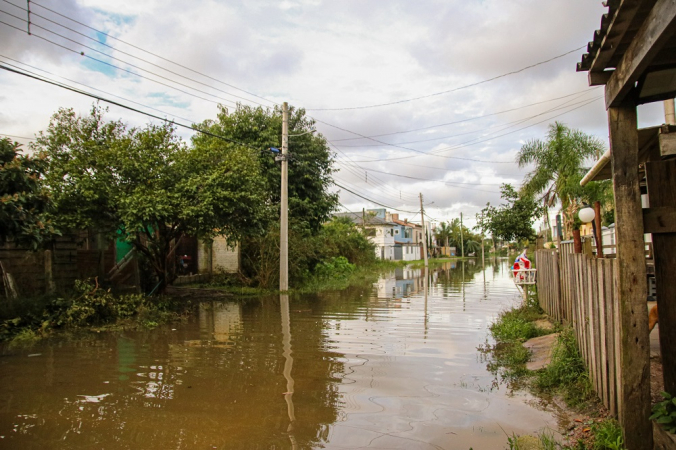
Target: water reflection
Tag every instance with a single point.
(390, 364)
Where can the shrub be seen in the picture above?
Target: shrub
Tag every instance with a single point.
(664, 412)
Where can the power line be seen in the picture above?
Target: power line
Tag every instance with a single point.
(413, 149)
(449, 183)
(148, 52)
(87, 86)
(17, 137)
(373, 201)
(112, 102)
(503, 126)
(81, 53)
(468, 143)
(116, 49)
(451, 90)
(468, 119)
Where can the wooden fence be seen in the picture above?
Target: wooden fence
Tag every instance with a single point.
(581, 290)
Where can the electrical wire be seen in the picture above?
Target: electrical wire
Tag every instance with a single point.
(469, 119)
(83, 54)
(146, 51)
(466, 144)
(116, 49)
(372, 201)
(451, 90)
(17, 137)
(87, 86)
(504, 126)
(112, 102)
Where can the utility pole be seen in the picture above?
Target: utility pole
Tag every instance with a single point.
(284, 213)
(422, 215)
(462, 241)
(483, 260)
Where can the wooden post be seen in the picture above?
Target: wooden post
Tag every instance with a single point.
(631, 287)
(662, 193)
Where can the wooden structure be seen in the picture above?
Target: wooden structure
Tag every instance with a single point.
(634, 55)
(581, 290)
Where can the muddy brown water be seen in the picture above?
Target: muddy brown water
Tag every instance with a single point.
(385, 366)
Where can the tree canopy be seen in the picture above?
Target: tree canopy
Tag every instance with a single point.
(512, 221)
(310, 166)
(147, 182)
(24, 202)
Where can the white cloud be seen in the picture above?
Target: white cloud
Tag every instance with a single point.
(327, 54)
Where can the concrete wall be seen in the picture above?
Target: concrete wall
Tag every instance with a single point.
(223, 258)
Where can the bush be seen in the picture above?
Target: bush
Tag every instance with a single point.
(307, 252)
(88, 305)
(664, 412)
(335, 267)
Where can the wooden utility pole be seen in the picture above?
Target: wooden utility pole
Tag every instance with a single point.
(422, 215)
(284, 213)
(462, 241)
(483, 259)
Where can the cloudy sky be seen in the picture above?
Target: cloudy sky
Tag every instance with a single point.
(410, 94)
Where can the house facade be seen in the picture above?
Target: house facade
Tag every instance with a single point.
(406, 247)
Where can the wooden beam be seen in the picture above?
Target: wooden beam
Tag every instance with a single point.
(659, 220)
(599, 78)
(634, 384)
(616, 30)
(656, 30)
(667, 143)
(662, 195)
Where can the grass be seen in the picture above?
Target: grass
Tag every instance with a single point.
(566, 376)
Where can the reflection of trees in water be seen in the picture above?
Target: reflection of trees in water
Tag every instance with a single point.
(455, 273)
(217, 384)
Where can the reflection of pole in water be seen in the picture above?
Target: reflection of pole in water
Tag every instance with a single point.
(462, 263)
(425, 287)
(288, 365)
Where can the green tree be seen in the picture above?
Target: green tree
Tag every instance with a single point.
(150, 184)
(310, 166)
(512, 221)
(24, 202)
(559, 166)
(442, 233)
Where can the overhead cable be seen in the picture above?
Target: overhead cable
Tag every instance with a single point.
(378, 105)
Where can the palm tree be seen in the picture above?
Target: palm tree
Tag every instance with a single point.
(472, 246)
(442, 233)
(558, 168)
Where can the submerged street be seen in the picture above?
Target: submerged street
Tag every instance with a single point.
(389, 365)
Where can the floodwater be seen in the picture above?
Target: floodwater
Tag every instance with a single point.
(385, 366)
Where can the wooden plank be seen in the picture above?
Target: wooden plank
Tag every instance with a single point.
(667, 143)
(612, 330)
(615, 32)
(657, 29)
(659, 219)
(599, 78)
(662, 194)
(603, 334)
(632, 288)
